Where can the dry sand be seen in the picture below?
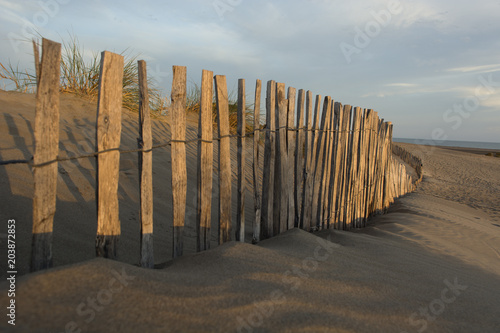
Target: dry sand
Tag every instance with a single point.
(431, 264)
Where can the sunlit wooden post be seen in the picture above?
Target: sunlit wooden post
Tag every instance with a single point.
(269, 163)
(257, 190)
(205, 163)
(179, 173)
(145, 142)
(241, 113)
(224, 159)
(46, 149)
(109, 115)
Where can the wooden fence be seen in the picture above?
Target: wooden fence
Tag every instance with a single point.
(327, 165)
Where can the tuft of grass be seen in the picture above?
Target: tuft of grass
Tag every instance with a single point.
(193, 105)
(81, 77)
(24, 81)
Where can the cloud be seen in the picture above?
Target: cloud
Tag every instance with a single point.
(476, 69)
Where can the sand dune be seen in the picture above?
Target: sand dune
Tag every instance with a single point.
(431, 264)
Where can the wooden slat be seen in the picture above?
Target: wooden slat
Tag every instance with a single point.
(145, 141)
(299, 158)
(309, 192)
(269, 161)
(291, 137)
(46, 149)
(324, 213)
(179, 172)
(369, 159)
(281, 164)
(109, 111)
(224, 159)
(346, 117)
(205, 163)
(353, 180)
(360, 182)
(307, 163)
(257, 189)
(337, 164)
(320, 166)
(241, 112)
(36, 53)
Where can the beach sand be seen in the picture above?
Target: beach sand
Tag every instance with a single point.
(432, 263)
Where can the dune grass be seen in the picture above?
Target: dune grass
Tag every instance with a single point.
(80, 76)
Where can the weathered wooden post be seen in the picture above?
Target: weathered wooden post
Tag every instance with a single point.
(241, 113)
(46, 150)
(281, 165)
(179, 173)
(311, 164)
(145, 142)
(300, 165)
(269, 163)
(224, 159)
(290, 146)
(205, 163)
(324, 213)
(320, 166)
(353, 181)
(337, 163)
(256, 163)
(109, 116)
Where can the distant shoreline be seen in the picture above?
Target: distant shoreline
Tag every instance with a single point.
(474, 147)
(479, 151)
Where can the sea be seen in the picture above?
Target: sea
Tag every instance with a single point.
(451, 143)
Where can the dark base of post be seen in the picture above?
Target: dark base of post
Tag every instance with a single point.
(41, 251)
(106, 246)
(178, 245)
(203, 239)
(224, 234)
(147, 258)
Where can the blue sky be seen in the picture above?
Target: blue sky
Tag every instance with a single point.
(432, 67)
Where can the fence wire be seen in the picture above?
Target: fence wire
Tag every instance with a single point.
(169, 142)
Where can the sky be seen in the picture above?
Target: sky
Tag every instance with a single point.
(431, 67)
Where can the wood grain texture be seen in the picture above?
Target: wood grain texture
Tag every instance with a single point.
(299, 158)
(269, 163)
(345, 129)
(290, 160)
(46, 135)
(224, 160)
(109, 115)
(307, 181)
(281, 164)
(145, 142)
(354, 153)
(309, 192)
(205, 163)
(324, 201)
(178, 155)
(337, 164)
(241, 128)
(257, 186)
(320, 166)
